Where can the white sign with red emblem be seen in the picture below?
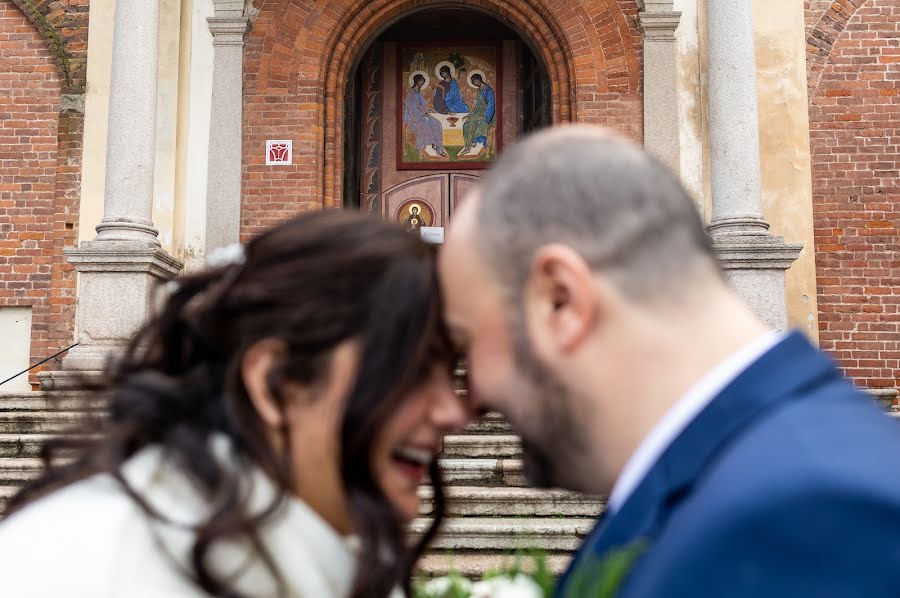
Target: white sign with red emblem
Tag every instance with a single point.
(279, 152)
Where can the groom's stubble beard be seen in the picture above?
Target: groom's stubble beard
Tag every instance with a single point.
(553, 445)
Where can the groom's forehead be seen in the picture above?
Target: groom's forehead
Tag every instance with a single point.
(460, 254)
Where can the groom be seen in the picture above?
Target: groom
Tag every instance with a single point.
(582, 286)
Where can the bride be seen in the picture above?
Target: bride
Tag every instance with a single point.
(267, 432)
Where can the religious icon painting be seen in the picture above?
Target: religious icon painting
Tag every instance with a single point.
(450, 105)
(413, 214)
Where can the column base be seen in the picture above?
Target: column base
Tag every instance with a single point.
(118, 289)
(754, 263)
(63, 380)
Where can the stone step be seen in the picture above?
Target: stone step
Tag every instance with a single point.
(492, 423)
(482, 472)
(6, 492)
(22, 445)
(505, 534)
(474, 564)
(490, 473)
(478, 501)
(48, 401)
(40, 422)
(17, 471)
(482, 445)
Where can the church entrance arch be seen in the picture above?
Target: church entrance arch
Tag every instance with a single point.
(431, 103)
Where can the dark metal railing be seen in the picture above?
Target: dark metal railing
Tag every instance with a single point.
(26, 370)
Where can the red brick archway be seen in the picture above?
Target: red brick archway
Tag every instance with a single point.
(45, 67)
(300, 53)
(854, 103)
(29, 103)
(824, 34)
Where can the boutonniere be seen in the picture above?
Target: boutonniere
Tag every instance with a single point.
(601, 577)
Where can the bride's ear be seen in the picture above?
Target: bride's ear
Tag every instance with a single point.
(256, 364)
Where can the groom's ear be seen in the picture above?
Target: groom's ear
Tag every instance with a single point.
(560, 303)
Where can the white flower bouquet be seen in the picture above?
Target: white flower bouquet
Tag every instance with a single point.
(509, 582)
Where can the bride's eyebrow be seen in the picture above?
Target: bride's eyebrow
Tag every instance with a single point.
(457, 335)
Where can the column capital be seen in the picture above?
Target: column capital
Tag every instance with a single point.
(659, 25)
(228, 31)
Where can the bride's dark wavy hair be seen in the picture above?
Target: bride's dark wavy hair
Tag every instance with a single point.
(311, 283)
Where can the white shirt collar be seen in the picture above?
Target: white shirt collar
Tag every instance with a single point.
(682, 413)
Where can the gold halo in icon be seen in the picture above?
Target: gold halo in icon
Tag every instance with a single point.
(424, 74)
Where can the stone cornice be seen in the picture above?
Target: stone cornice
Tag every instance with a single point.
(228, 31)
(659, 25)
(655, 5)
(229, 8)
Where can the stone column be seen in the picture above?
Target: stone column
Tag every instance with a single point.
(223, 198)
(119, 269)
(754, 259)
(658, 22)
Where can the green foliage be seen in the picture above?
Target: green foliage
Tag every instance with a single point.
(602, 577)
(456, 60)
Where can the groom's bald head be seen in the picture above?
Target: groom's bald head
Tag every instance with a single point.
(623, 211)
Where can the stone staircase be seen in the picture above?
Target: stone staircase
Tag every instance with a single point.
(491, 513)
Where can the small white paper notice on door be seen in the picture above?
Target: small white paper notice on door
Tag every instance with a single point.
(432, 234)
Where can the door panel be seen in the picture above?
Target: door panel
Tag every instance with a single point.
(460, 186)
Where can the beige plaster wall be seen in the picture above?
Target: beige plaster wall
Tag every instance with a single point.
(784, 147)
(167, 121)
(96, 116)
(194, 110)
(690, 101)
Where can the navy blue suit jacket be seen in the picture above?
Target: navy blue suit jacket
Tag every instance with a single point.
(786, 484)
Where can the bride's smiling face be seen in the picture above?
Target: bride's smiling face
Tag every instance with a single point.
(411, 438)
(403, 448)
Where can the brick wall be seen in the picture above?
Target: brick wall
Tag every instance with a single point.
(854, 68)
(299, 53)
(42, 66)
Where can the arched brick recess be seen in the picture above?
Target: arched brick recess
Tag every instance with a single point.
(855, 139)
(55, 33)
(300, 53)
(62, 25)
(824, 32)
(29, 111)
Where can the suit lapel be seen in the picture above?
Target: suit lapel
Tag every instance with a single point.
(791, 366)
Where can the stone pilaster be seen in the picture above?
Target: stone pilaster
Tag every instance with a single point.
(119, 269)
(658, 22)
(754, 259)
(223, 213)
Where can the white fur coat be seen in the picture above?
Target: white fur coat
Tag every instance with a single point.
(90, 540)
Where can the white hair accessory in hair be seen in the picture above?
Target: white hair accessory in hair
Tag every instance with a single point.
(226, 256)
